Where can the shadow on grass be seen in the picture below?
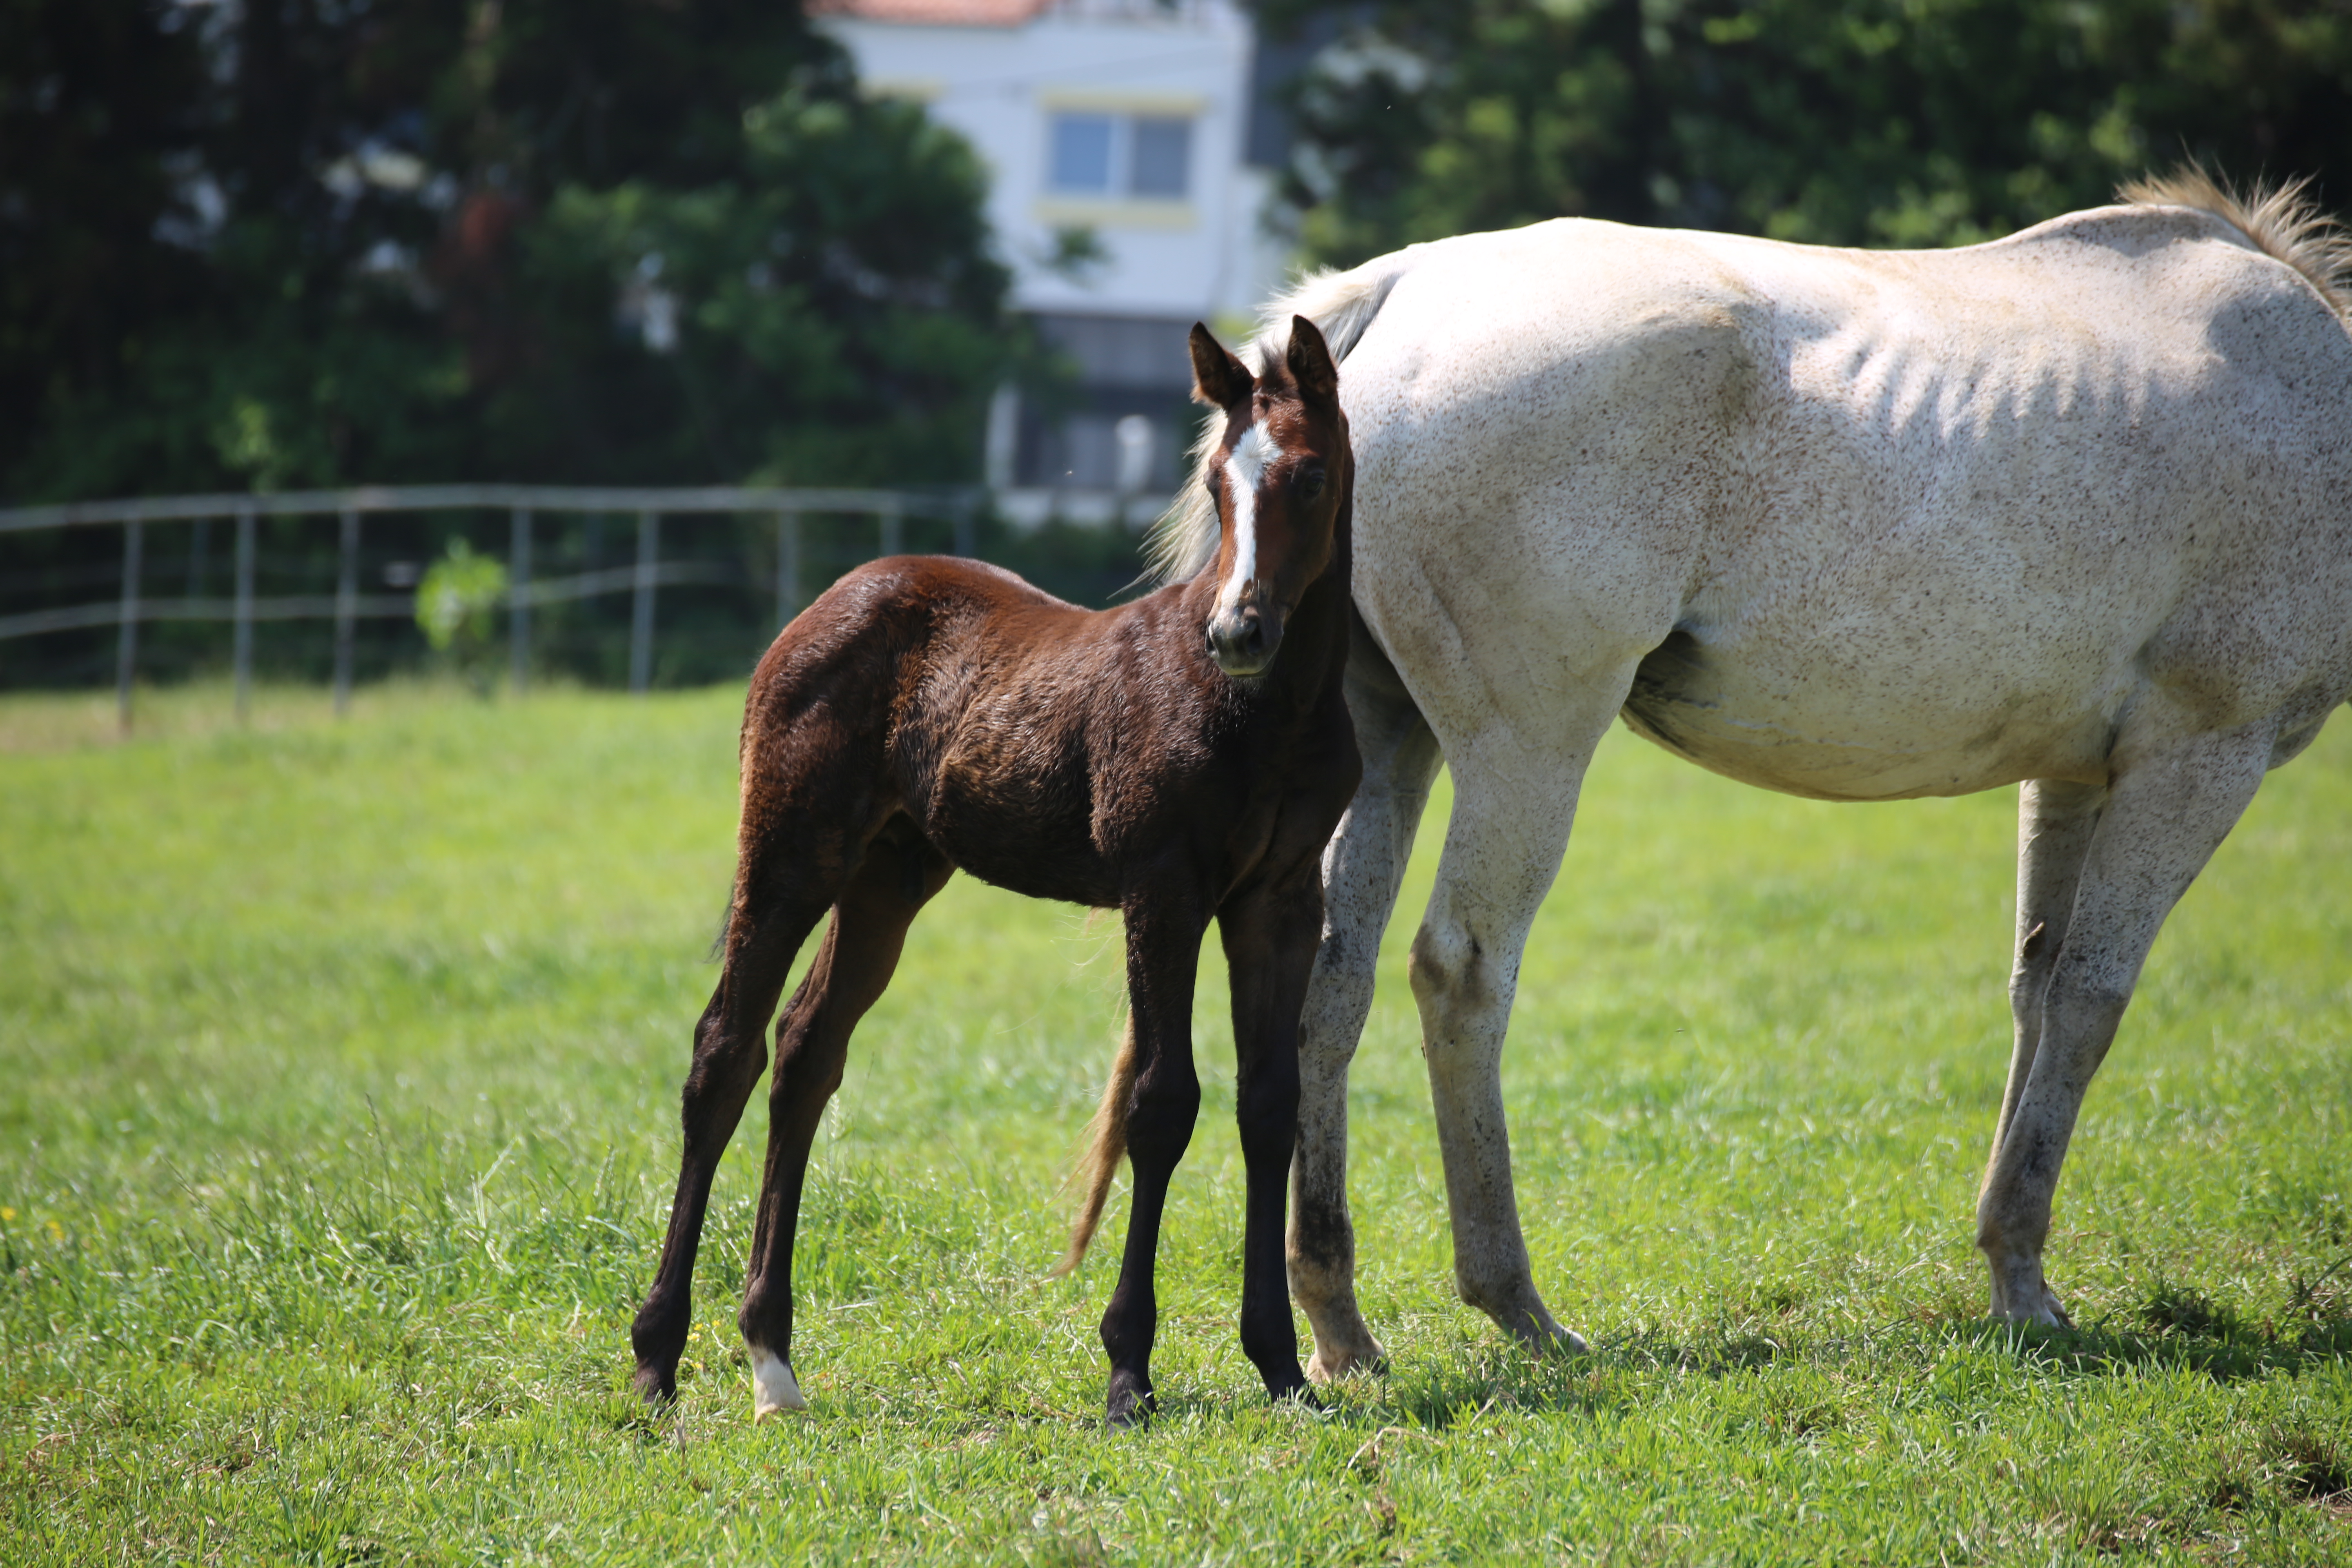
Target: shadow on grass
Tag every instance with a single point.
(1614, 1378)
(2173, 1327)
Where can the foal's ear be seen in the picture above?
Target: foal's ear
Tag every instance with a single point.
(1219, 379)
(1311, 367)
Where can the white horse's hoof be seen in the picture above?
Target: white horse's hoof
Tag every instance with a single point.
(774, 1388)
(1541, 1333)
(2048, 1314)
(2021, 1296)
(1331, 1365)
(2051, 1315)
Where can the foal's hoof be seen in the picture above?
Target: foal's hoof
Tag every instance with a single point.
(1299, 1396)
(773, 1387)
(655, 1386)
(1130, 1407)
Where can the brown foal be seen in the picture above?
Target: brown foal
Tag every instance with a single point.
(1182, 758)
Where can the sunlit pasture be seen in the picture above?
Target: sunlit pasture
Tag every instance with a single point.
(338, 1066)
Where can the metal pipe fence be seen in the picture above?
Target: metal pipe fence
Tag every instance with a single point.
(526, 591)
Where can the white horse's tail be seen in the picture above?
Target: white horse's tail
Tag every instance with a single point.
(2281, 220)
(1340, 303)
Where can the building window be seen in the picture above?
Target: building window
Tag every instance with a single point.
(1163, 157)
(1082, 152)
(1147, 156)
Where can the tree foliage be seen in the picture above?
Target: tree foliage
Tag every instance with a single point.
(1884, 123)
(323, 241)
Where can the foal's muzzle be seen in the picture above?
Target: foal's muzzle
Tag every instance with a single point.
(1242, 639)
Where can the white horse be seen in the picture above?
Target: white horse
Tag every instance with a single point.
(2073, 508)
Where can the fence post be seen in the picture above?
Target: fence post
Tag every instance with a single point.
(126, 646)
(347, 609)
(788, 567)
(519, 603)
(894, 530)
(199, 537)
(967, 526)
(641, 619)
(1002, 446)
(242, 654)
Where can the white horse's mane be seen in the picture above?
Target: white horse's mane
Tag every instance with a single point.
(1342, 304)
(2281, 220)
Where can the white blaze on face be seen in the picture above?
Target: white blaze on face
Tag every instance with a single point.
(1243, 469)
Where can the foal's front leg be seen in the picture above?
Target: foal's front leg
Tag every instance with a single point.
(1270, 936)
(1163, 956)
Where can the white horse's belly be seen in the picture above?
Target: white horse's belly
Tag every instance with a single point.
(1888, 733)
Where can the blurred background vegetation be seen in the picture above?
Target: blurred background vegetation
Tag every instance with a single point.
(595, 241)
(261, 247)
(1865, 122)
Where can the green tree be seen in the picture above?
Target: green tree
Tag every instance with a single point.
(98, 103)
(1909, 122)
(826, 312)
(317, 242)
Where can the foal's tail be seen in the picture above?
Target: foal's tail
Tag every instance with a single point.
(1100, 1162)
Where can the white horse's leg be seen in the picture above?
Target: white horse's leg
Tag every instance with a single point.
(2168, 808)
(1513, 805)
(1361, 870)
(2054, 839)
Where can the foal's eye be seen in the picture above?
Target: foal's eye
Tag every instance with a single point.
(1308, 483)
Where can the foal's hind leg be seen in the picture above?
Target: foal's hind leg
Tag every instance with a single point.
(900, 873)
(1362, 871)
(2168, 808)
(1269, 937)
(763, 934)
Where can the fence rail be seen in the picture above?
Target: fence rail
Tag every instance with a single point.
(456, 498)
(346, 605)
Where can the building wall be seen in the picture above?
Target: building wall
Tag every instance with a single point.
(1043, 88)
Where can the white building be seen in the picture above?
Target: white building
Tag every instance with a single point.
(1128, 120)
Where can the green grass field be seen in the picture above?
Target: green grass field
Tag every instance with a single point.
(338, 1077)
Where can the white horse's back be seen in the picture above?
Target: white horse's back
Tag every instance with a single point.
(2074, 509)
(1895, 523)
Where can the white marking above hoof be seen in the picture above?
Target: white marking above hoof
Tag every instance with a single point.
(774, 1388)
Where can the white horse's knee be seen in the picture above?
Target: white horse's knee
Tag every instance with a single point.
(1443, 963)
(1459, 983)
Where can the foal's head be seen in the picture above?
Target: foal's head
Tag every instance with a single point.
(1279, 479)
